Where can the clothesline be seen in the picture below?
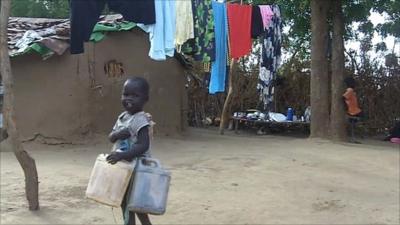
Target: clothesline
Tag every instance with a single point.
(235, 1)
(210, 31)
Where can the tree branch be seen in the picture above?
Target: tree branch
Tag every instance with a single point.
(26, 161)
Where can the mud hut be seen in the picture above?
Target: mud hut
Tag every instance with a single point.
(62, 95)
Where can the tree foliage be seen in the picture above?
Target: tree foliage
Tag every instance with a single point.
(392, 10)
(40, 8)
(297, 17)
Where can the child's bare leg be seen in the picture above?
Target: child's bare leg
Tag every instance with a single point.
(131, 219)
(128, 216)
(144, 218)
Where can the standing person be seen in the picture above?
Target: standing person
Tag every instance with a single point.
(350, 98)
(131, 135)
(353, 110)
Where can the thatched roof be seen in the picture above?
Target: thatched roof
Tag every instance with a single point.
(45, 36)
(51, 36)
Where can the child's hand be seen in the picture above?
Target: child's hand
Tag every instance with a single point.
(123, 134)
(119, 135)
(114, 157)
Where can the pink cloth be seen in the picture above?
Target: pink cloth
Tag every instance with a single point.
(267, 14)
(395, 140)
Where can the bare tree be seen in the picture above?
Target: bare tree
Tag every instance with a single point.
(26, 161)
(225, 111)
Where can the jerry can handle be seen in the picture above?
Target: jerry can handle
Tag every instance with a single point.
(151, 161)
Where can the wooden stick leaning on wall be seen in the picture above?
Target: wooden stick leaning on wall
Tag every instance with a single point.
(225, 112)
(25, 160)
(225, 115)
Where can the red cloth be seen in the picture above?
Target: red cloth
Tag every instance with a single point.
(239, 19)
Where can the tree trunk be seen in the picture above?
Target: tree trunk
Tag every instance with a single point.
(26, 161)
(225, 110)
(338, 120)
(319, 70)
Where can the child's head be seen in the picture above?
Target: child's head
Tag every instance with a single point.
(135, 94)
(350, 82)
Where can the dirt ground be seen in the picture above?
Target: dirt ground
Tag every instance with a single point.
(231, 179)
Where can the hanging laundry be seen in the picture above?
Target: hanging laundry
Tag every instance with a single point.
(239, 17)
(184, 23)
(85, 14)
(257, 26)
(202, 47)
(270, 59)
(162, 33)
(219, 66)
(267, 14)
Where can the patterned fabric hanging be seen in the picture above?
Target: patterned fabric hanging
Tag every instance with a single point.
(202, 47)
(270, 59)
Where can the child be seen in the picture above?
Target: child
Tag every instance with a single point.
(131, 134)
(350, 98)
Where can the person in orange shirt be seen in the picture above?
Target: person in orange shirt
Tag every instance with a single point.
(353, 110)
(350, 98)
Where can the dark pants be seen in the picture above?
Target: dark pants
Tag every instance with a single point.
(360, 115)
(353, 119)
(85, 14)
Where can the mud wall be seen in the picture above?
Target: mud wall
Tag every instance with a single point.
(75, 94)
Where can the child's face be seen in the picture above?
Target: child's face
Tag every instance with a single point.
(133, 98)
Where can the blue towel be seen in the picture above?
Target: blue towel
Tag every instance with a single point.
(162, 33)
(219, 66)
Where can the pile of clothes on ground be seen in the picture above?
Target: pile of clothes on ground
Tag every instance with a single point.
(290, 116)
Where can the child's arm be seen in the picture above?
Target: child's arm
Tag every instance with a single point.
(119, 135)
(141, 146)
(346, 96)
(344, 103)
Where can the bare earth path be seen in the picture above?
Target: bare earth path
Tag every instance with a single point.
(227, 179)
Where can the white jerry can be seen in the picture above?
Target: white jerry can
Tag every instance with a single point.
(108, 183)
(150, 187)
